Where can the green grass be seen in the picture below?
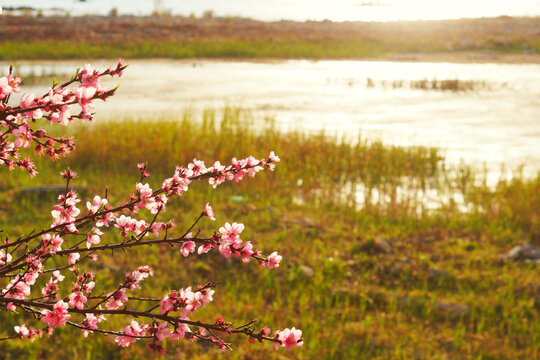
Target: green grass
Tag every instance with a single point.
(177, 49)
(239, 48)
(358, 303)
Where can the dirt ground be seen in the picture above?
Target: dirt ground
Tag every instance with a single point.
(503, 39)
(467, 32)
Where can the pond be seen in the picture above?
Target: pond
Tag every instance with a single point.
(479, 113)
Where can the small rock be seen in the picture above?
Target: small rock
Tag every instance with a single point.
(306, 270)
(531, 252)
(526, 251)
(513, 253)
(383, 245)
(272, 210)
(301, 221)
(399, 267)
(377, 245)
(438, 275)
(454, 310)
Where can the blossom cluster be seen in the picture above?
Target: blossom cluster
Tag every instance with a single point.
(76, 231)
(55, 106)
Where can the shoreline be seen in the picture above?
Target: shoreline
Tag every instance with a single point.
(487, 40)
(455, 58)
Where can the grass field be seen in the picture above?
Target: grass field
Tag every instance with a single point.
(439, 291)
(490, 39)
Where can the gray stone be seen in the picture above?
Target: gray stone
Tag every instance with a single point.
(383, 245)
(300, 221)
(526, 251)
(306, 270)
(454, 310)
(438, 275)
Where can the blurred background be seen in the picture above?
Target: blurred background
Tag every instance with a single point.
(407, 204)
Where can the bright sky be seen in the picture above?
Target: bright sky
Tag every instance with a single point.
(440, 9)
(337, 10)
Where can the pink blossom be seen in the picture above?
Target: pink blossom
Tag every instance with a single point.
(144, 191)
(197, 167)
(107, 218)
(58, 316)
(162, 331)
(17, 289)
(118, 69)
(121, 63)
(225, 249)
(209, 212)
(14, 81)
(289, 338)
(5, 88)
(180, 331)
(28, 101)
(187, 248)
(125, 222)
(55, 97)
(96, 204)
(61, 116)
(67, 212)
(193, 300)
(118, 298)
(134, 329)
(30, 277)
(207, 296)
(231, 231)
(22, 330)
(203, 249)
(91, 322)
(133, 278)
(5, 257)
(71, 228)
(24, 136)
(54, 240)
(156, 227)
(90, 77)
(73, 258)
(274, 260)
(247, 251)
(68, 174)
(166, 304)
(273, 157)
(88, 287)
(84, 98)
(93, 237)
(57, 277)
(50, 289)
(77, 300)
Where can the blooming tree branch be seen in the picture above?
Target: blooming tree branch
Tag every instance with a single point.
(74, 237)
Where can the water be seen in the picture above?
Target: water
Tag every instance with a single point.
(497, 124)
(337, 10)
